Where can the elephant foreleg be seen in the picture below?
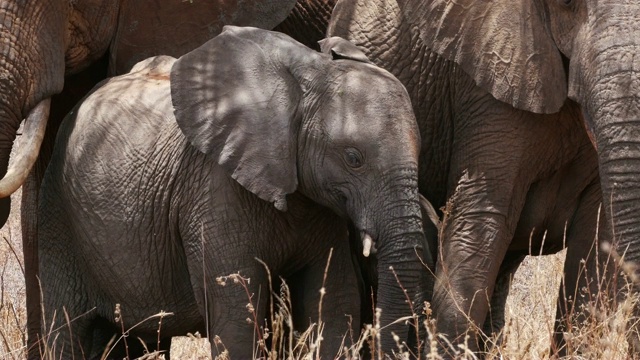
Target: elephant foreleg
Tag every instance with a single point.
(588, 270)
(477, 230)
(230, 290)
(495, 321)
(31, 263)
(336, 307)
(66, 290)
(76, 87)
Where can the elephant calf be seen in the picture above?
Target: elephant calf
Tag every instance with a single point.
(251, 146)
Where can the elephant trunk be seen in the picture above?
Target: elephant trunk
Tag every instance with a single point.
(28, 82)
(400, 273)
(604, 80)
(616, 125)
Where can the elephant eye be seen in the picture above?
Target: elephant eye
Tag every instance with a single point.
(353, 157)
(565, 2)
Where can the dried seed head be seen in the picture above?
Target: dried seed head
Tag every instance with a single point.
(117, 313)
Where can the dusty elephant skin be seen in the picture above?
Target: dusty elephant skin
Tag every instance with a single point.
(502, 170)
(51, 43)
(250, 146)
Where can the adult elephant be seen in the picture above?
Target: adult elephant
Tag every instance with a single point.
(52, 46)
(252, 145)
(512, 180)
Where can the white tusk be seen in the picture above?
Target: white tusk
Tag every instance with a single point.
(35, 126)
(367, 243)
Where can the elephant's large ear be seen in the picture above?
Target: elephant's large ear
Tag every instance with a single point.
(340, 48)
(236, 98)
(504, 45)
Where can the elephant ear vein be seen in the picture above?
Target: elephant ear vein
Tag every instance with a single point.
(235, 98)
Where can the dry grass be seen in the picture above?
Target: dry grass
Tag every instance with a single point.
(13, 315)
(530, 311)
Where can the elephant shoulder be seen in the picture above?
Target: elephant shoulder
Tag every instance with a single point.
(142, 94)
(132, 109)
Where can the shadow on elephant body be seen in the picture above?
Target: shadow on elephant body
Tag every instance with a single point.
(252, 146)
(512, 178)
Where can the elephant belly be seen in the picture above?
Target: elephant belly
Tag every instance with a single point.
(547, 215)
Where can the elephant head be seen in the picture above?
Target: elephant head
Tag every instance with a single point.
(533, 54)
(280, 118)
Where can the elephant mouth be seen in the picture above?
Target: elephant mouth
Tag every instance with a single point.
(368, 245)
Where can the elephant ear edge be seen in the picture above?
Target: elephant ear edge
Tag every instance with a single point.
(504, 46)
(340, 48)
(235, 100)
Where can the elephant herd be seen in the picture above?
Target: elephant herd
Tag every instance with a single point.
(212, 143)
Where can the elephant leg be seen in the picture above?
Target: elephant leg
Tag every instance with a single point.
(76, 87)
(478, 226)
(103, 335)
(236, 313)
(29, 224)
(588, 270)
(233, 308)
(494, 161)
(339, 311)
(31, 264)
(495, 321)
(64, 290)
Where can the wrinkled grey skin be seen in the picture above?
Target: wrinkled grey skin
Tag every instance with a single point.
(506, 176)
(186, 170)
(368, 268)
(60, 49)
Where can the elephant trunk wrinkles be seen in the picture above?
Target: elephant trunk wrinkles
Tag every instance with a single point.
(14, 89)
(32, 66)
(399, 268)
(9, 124)
(605, 82)
(618, 142)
